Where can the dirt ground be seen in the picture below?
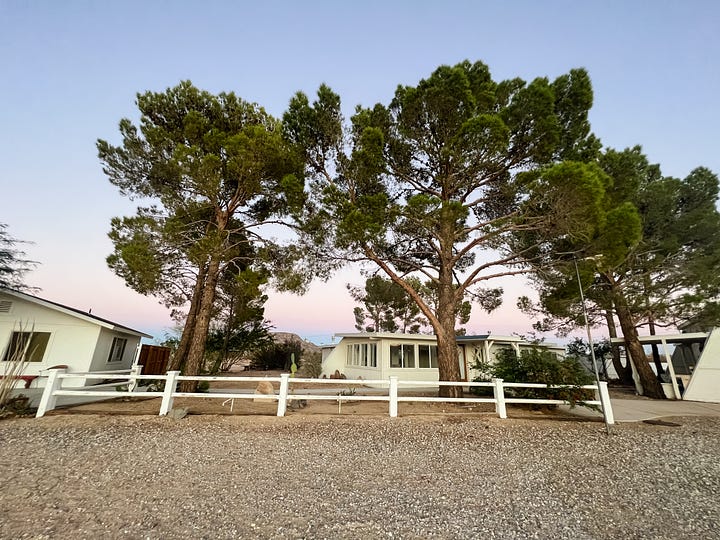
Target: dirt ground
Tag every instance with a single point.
(228, 470)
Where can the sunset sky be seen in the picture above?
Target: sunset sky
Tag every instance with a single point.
(71, 70)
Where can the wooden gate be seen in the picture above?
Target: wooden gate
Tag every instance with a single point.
(154, 359)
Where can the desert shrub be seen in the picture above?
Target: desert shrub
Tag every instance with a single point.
(277, 355)
(538, 366)
(311, 365)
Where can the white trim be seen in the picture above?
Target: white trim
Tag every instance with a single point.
(72, 313)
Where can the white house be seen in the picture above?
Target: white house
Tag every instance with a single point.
(56, 335)
(412, 356)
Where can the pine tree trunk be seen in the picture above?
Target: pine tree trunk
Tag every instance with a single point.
(178, 360)
(648, 379)
(448, 368)
(624, 372)
(651, 327)
(196, 352)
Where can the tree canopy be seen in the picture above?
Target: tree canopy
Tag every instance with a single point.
(434, 184)
(386, 307)
(650, 264)
(13, 264)
(215, 170)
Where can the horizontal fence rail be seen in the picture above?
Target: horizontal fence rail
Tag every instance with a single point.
(131, 380)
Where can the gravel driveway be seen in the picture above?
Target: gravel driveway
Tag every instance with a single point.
(92, 476)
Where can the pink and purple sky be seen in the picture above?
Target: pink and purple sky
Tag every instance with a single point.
(71, 70)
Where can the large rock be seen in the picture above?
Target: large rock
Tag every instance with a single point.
(264, 388)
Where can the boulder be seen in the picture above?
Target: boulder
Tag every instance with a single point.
(264, 388)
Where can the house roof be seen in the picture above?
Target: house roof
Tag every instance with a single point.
(490, 337)
(388, 335)
(689, 337)
(105, 323)
(504, 339)
(432, 337)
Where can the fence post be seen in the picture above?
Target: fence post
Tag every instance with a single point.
(393, 394)
(499, 391)
(134, 372)
(167, 399)
(605, 403)
(48, 399)
(282, 398)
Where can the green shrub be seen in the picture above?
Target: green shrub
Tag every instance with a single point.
(538, 366)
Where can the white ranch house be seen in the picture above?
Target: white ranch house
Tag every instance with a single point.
(56, 335)
(412, 356)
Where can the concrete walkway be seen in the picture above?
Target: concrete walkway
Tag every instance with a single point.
(637, 410)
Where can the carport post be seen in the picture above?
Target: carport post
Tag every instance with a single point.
(605, 403)
(671, 369)
(167, 399)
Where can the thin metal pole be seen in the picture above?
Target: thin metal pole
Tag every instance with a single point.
(590, 342)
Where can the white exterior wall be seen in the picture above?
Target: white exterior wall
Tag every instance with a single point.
(338, 359)
(72, 340)
(486, 350)
(335, 360)
(102, 351)
(415, 374)
(79, 344)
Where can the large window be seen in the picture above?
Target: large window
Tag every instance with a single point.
(31, 344)
(402, 356)
(427, 356)
(362, 354)
(117, 350)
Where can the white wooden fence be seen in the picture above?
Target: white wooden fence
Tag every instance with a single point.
(131, 380)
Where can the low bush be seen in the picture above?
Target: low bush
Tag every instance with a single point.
(537, 366)
(276, 355)
(310, 365)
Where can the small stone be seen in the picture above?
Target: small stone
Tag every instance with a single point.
(179, 413)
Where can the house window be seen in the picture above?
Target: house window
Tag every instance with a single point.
(362, 354)
(427, 356)
(117, 350)
(31, 344)
(402, 356)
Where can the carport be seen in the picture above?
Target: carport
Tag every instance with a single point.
(695, 362)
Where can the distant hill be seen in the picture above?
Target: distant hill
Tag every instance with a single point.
(284, 337)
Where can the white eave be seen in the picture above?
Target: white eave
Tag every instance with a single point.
(87, 317)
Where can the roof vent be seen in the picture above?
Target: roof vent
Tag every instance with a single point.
(5, 306)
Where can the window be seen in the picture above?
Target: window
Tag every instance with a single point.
(402, 356)
(362, 354)
(31, 344)
(117, 350)
(427, 356)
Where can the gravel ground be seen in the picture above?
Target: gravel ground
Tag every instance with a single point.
(453, 476)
